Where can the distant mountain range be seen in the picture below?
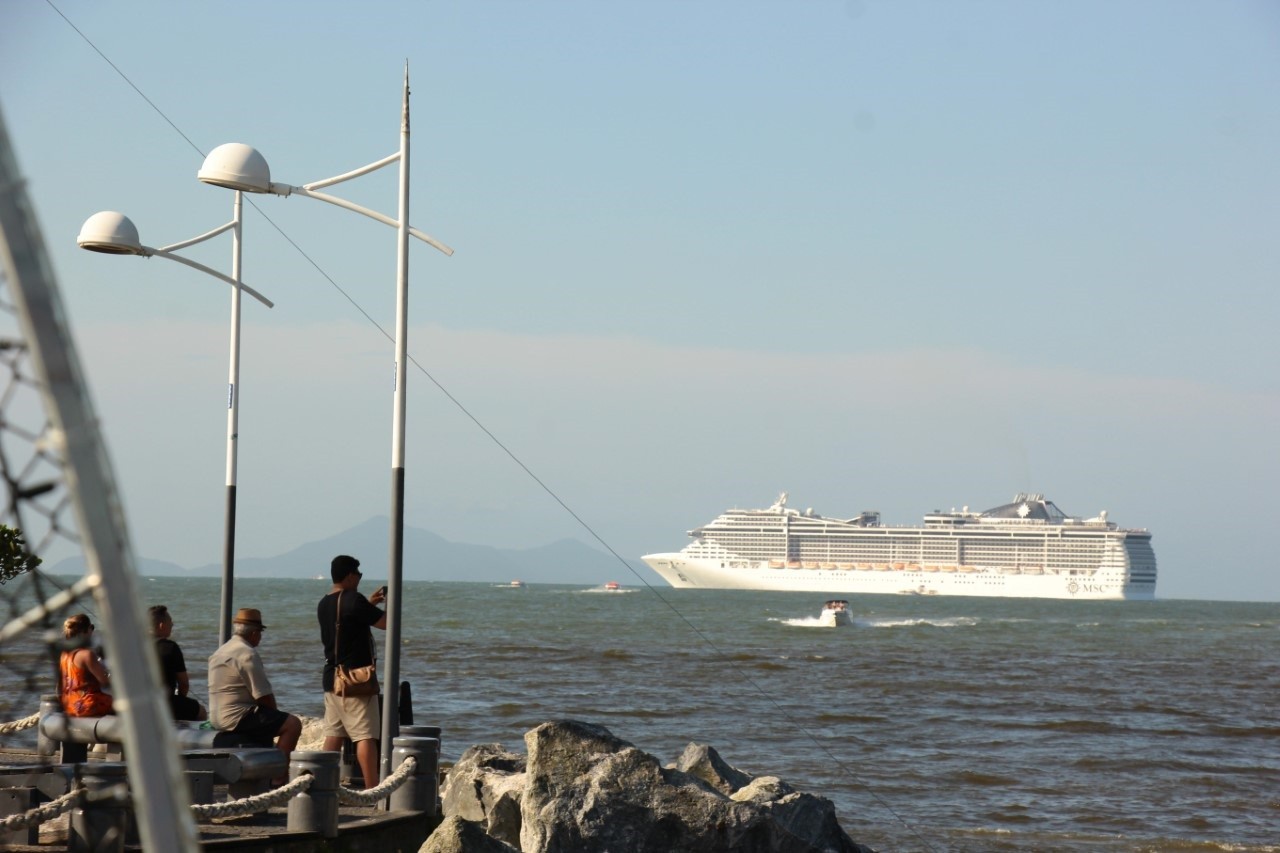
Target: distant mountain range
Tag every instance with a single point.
(427, 556)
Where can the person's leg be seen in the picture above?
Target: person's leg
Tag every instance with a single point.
(361, 715)
(287, 737)
(186, 708)
(335, 733)
(367, 756)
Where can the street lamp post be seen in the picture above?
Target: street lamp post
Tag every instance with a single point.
(113, 233)
(242, 168)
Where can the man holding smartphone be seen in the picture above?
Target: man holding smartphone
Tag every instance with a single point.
(346, 618)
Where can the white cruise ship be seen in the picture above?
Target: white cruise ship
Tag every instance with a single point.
(1024, 549)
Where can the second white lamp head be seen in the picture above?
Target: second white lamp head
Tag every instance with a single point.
(236, 166)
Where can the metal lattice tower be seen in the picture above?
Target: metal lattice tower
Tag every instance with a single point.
(60, 488)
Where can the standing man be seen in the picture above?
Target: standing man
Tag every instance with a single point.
(348, 641)
(241, 699)
(173, 666)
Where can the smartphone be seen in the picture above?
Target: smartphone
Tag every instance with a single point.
(381, 589)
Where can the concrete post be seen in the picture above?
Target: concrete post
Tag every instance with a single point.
(50, 703)
(420, 791)
(316, 809)
(16, 801)
(200, 784)
(99, 824)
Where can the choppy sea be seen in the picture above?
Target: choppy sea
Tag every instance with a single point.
(958, 724)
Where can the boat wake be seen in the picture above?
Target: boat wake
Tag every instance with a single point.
(940, 622)
(803, 622)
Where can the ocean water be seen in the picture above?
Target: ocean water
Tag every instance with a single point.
(958, 724)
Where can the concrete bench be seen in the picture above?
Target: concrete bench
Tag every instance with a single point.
(51, 780)
(244, 771)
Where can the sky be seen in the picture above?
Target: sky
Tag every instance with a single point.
(897, 256)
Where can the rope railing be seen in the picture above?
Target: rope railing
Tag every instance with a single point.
(256, 803)
(40, 814)
(232, 808)
(371, 796)
(19, 725)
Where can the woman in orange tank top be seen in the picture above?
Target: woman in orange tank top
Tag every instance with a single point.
(83, 675)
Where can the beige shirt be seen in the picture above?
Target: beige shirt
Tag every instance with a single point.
(236, 680)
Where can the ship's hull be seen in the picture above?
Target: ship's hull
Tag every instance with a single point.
(685, 572)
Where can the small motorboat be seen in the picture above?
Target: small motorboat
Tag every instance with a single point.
(612, 586)
(516, 584)
(835, 612)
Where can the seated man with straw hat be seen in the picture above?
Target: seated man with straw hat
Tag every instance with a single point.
(241, 699)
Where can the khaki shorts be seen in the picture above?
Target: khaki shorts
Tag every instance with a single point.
(353, 717)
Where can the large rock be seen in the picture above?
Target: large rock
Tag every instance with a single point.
(705, 763)
(485, 787)
(583, 790)
(455, 835)
(586, 790)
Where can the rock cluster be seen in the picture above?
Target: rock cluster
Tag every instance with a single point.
(581, 789)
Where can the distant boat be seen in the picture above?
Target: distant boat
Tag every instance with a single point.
(835, 612)
(609, 587)
(516, 585)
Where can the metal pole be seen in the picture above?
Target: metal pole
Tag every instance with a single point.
(233, 430)
(395, 572)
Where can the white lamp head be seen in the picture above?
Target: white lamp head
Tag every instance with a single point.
(236, 166)
(111, 233)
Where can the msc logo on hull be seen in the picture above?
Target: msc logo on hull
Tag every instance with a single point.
(1095, 588)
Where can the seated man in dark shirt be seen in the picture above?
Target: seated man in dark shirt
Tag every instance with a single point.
(174, 667)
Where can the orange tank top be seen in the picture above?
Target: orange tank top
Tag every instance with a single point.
(82, 694)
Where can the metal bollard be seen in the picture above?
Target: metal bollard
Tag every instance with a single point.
(420, 791)
(100, 822)
(50, 703)
(315, 809)
(421, 731)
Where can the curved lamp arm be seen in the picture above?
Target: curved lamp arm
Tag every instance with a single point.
(286, 190)
(148, 252)
(205, 236)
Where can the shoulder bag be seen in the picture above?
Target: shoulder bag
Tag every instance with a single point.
(351, 680)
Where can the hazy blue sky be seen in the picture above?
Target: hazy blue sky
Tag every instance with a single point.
(896, 256)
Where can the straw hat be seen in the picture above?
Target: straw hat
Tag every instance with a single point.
(249, 616)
